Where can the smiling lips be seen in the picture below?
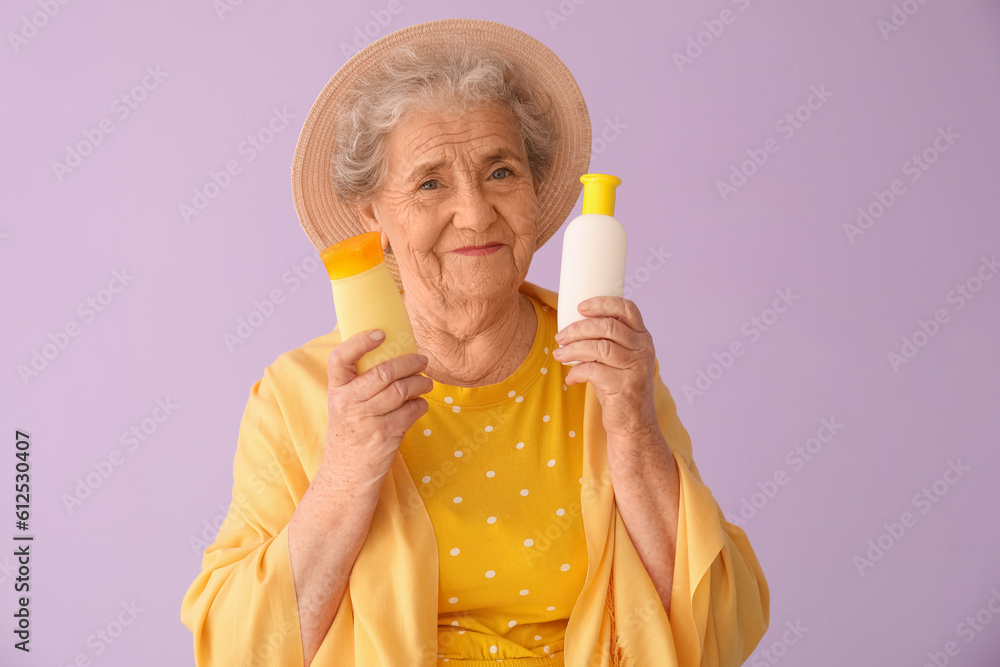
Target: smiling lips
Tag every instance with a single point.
(479, 250)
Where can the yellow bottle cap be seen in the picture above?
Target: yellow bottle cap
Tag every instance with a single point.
(353, 255)
(599, 193)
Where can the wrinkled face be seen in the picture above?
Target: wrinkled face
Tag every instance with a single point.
(456, 180)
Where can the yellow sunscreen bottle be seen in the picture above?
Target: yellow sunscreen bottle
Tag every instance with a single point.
(594, 245)
(365, 297)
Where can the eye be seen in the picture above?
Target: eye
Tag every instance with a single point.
(433, 184)
(504, 171)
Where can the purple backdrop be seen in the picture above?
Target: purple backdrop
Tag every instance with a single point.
(809, 185)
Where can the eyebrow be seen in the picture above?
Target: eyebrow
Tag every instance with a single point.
(498, 154)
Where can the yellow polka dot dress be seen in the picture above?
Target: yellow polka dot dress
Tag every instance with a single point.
(499, 470)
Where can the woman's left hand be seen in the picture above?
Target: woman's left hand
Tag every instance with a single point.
(616, 355)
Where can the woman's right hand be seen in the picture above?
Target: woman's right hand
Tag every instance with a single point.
(370, 412)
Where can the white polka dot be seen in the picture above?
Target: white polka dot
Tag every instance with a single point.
(519, 445)
(528, 542)
(449, 399)
(511, 393)
(560, 512)
(572, 434)
(490, 574)
(524, 492)
(545, 418)
(544, 370)
(511, 624)
(490, 473)
(491, 519)
(454, 622)
(565, 387)
(489, 429)
(427, 431)
(550, 609)
(546, 350)
(538, 638)
(456, 408)
(546, 649)
(461, 632)
(426, 479)
(552, 462)
(455, 551)
(581, 480)
(458, 453)
(453, 600)
(524, 591)
(564, 567)
(493, 649)
(458, 499)
(519, 399)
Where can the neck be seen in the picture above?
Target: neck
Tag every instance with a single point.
(475, 343)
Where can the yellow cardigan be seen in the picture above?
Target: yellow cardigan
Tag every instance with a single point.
(242, 608)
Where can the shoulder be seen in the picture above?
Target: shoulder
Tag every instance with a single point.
(299, 371)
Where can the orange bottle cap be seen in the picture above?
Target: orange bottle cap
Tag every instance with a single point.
(353, 255)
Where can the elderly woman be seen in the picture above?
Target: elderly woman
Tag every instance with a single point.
(481, 501)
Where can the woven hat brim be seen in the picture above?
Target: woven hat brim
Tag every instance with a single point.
(327, 219)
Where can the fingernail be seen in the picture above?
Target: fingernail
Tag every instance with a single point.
(560, 337)
(584, 306)
(423, 359)
(378, 335)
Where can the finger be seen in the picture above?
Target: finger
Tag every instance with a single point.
(601, 327)
(342, 365)
(600, 350)
(598, 374)
(614, 306)
(380, 376)
(399, 392)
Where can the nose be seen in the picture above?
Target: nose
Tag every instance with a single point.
(472, 209)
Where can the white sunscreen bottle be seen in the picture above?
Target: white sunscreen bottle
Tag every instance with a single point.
(594, 245)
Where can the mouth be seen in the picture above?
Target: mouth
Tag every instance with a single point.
(473, 250)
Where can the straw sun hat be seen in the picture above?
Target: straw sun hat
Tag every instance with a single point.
(327, 219)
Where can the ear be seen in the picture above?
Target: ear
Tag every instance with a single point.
(369, 217)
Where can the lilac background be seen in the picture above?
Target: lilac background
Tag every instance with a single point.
(680, 130)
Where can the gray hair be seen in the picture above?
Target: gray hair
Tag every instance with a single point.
(427, 79)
